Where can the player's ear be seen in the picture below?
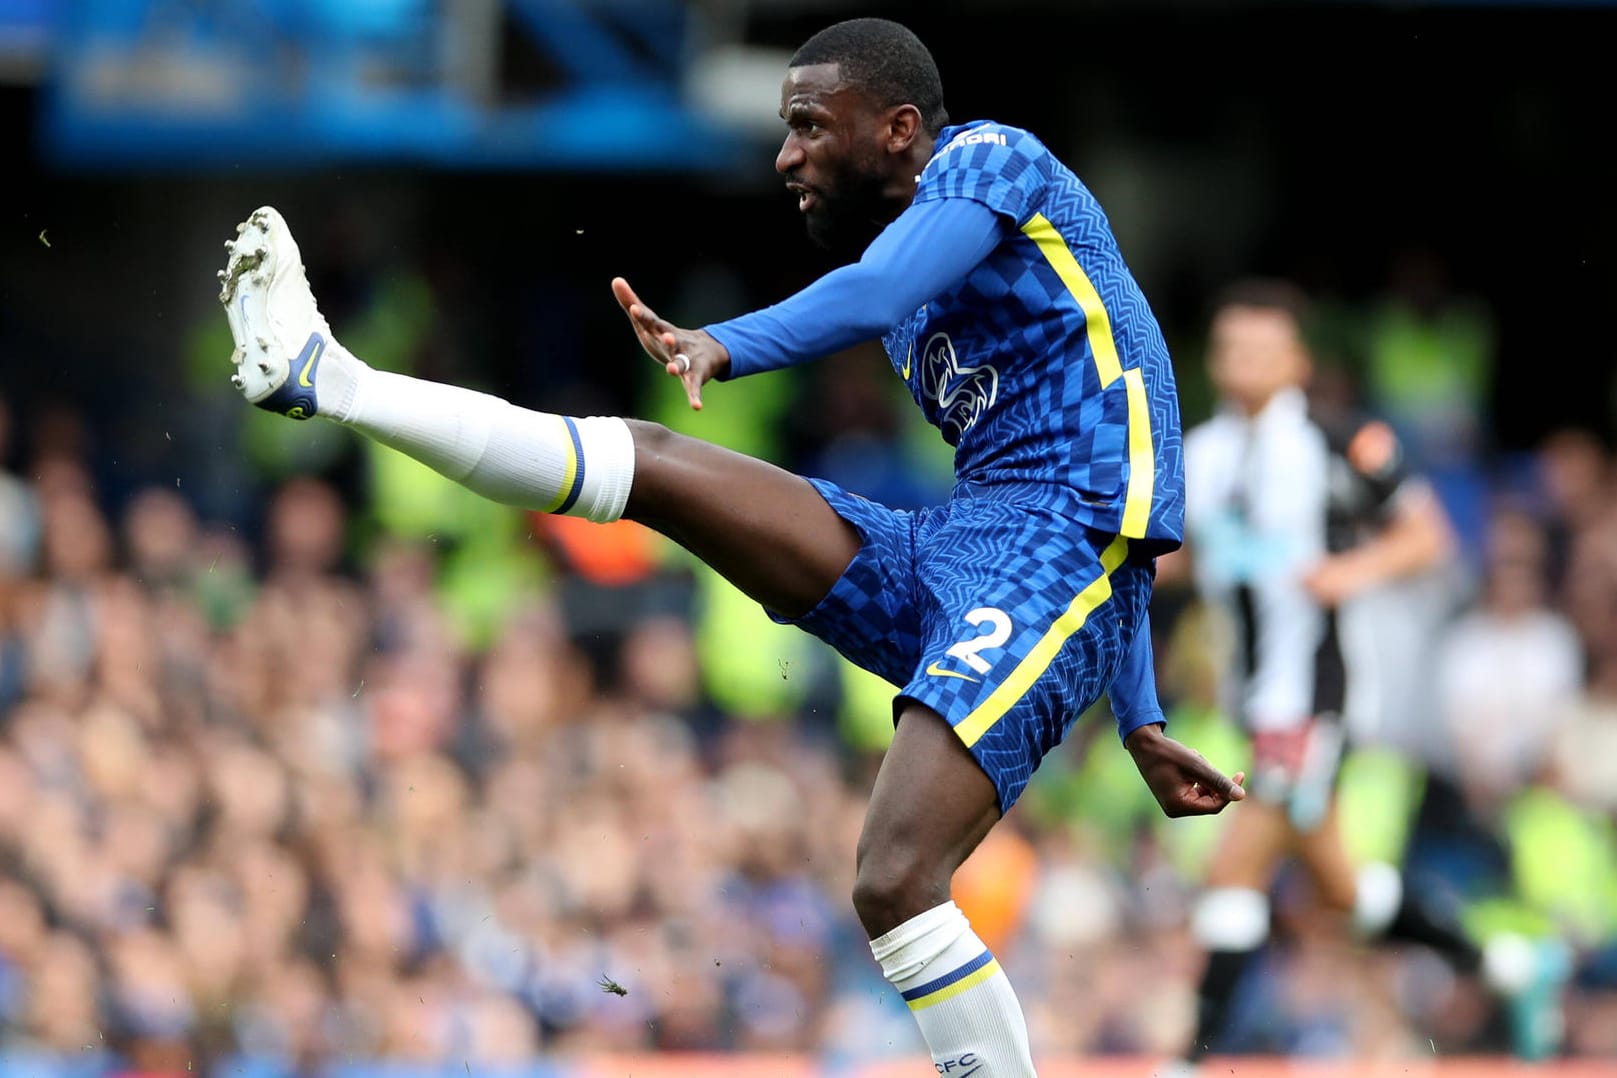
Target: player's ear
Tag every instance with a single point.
(903, 127)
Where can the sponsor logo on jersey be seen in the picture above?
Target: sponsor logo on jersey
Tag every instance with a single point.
(961, 394)
(975, 137)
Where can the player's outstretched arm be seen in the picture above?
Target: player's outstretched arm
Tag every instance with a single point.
(1182, 780)
(928, 248)
(691, 355)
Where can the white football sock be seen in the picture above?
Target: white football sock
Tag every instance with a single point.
(536, 460)
(961, 999)
(1231, 919)
(1378, 893)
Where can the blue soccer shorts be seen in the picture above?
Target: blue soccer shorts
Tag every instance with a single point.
(1006, 617)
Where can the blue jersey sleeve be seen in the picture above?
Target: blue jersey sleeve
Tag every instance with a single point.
(1133, 691)
(925, 250)
(1003, 168)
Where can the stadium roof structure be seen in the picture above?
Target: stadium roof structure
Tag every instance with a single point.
(295, 84)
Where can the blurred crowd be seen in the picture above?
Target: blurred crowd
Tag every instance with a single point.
(386, 773)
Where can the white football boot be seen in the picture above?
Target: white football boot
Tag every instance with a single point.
(286, 358)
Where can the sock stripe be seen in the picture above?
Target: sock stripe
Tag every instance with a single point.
(968, 1017)
(572, 478)
(578, 472)
(948, 986)
(963, 985)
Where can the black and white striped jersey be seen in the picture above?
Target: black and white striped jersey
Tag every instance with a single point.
(1266, 499)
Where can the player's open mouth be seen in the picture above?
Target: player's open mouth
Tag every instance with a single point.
(806, 198)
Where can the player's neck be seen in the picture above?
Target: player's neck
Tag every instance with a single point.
(907, 173)
(1253, 407)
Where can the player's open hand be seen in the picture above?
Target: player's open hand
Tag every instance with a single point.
(689, 355)
(1182, 780)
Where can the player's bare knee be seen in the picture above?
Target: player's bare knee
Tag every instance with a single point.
(890, 887)
(655, 484)
(650, 439)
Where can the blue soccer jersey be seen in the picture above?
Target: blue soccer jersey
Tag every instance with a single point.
(1045, 363)
(1006, 307)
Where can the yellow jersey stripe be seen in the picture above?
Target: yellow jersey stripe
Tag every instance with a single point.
(1033, 665)
(571, 471)
(1102, 345)
(950, 991)
(1097, 323)
(1142, 458)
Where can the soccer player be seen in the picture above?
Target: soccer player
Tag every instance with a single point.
(993, 279)
(1289, 514)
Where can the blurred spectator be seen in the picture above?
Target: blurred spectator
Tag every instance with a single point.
(1583, 756)
(1575, 483)
(1509, 669)
(19, 515)
(1430, 353)
(273, 804)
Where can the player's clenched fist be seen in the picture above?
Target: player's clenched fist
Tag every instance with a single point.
(692, 356)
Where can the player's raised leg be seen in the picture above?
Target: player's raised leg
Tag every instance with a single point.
(722, 506)
(931, 805)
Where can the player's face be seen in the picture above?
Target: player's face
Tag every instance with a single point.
(832, 158)
(1254, 353)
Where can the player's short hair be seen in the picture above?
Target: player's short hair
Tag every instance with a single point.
(885, 60)
(1268, 294)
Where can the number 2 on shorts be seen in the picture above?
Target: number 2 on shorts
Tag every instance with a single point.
(999, 631)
